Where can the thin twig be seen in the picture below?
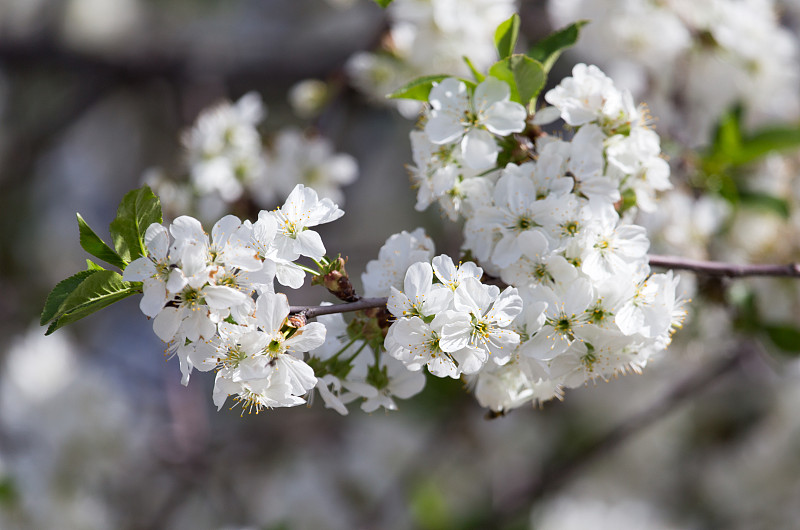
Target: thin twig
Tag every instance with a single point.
(730, 270)
(708, 268)
(555, 477)
(317, 310)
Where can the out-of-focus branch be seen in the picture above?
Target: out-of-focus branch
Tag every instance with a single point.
(553, 478)
(45, 52)
(730, 270)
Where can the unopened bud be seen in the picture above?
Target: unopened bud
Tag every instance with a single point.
(297, 320)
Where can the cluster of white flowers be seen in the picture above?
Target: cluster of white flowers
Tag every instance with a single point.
(213, 299)
(429, 37)
(223, 149)
(454, 325)
(586, 304)
(227, 158)
(692, 60)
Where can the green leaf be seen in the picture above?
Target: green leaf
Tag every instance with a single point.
(137, 211)
(524, 75)
(732, 147)
(548, 50)
(506, 35)
(60, 293)
(429, 507)
(92, 266)
(421, 87)
(765, 202)
(766, 141)
(383, 3)
(787, 338)
(9, 493)
(99, 288)
(95, 246)
(479, 77)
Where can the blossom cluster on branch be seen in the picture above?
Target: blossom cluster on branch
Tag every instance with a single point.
(551, 214)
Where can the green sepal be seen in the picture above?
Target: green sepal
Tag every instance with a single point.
(138, 210)
(383, 3)
(548, 50)
(479, 77)
(506, 35)
(524, 76)
(420, 87)
(96, 290)
(628, 200)
(91, 243)
(377, 376)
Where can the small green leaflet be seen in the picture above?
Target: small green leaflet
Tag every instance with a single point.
(420, 88)
(83, 294)
(506, 35)
(479, 77)
(524, 76)
(548, 50)
(137, 211)
(92, 266)
(95, 246)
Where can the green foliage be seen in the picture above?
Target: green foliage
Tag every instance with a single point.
(548, 50)
(60, 293)
(138, 210)
(765, 202)
(92, 266)
(787, 338)
(9, 494)
(784, 336)
(95, 246)
(83, 294)
(383, 3)
(88, 291)
(506, 35)
(429, 507)
(524, 75)
(420, 88)
(732, 147)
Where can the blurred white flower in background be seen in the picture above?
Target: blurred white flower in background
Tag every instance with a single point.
(425, 38)
(691, 61)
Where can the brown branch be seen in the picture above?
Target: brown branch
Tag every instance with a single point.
(730, 270)
(317, 310)
(708, 268)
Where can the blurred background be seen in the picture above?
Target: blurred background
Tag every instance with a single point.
(96, 430)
